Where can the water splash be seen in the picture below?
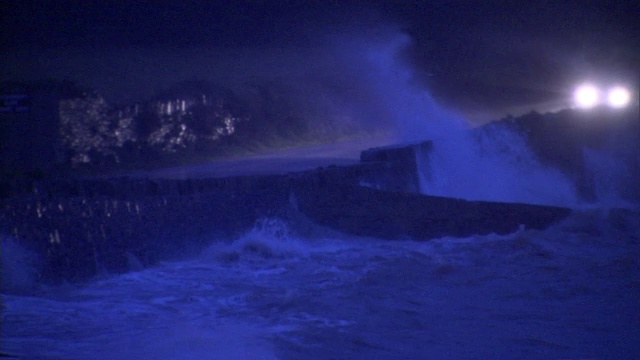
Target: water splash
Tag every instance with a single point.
(269, 238)
(384, 88)
(495, 165)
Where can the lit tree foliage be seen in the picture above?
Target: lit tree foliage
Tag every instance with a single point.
(86, 128)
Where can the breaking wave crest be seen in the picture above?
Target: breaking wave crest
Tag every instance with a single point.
(269, 238)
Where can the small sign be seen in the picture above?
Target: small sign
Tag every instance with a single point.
(15, 103)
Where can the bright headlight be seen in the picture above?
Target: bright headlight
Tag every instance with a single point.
(586, 96)
(618, 97)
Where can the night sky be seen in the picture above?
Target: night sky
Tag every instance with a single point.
(483, 59)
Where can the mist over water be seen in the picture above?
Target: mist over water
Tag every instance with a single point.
(614, 178)
(385, 89)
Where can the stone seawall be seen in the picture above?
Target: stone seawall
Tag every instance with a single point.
(78, 236)
(80, 228)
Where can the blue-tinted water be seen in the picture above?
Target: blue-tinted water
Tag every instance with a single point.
(569, 292)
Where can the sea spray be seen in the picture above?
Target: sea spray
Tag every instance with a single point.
(494, 165)
(611, 177)
(383, 87)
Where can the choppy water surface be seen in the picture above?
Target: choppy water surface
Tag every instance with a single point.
(569, 292)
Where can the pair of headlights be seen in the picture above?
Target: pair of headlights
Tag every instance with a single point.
(588, 96)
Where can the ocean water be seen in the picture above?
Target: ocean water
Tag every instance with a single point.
(569, 292)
